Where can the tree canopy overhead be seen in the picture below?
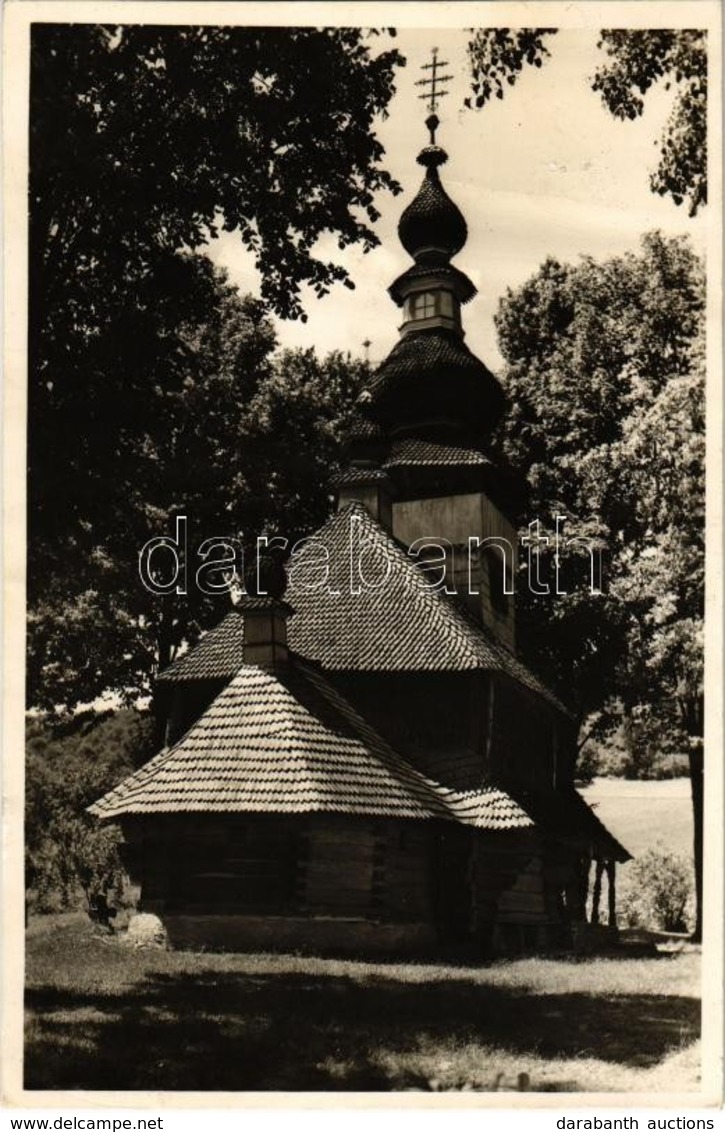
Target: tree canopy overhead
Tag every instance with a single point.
(635, 61)
(146, 137)
(605, 373)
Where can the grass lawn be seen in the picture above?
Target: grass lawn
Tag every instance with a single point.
(101, 1016)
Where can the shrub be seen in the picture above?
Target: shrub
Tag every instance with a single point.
(672, 766)
(69, 764)
(659, 892)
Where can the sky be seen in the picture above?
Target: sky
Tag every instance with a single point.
(547, 171)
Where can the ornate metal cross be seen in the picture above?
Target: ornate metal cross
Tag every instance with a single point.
(434, 93)
(433, 81)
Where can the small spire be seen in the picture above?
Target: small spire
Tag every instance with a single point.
(432, 122)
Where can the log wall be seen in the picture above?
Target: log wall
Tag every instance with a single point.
(437, 720)
(523, 743)
(457, 518)
(518, 892)
(401, 885)
(284, 875)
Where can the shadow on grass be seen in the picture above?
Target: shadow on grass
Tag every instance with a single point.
(297, 1032)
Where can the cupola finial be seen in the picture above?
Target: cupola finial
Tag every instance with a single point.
(434, 91)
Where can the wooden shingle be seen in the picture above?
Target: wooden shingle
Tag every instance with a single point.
(217, 655)
(294, 745)
(397, 622)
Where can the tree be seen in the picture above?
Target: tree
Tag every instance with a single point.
(636, 60)
(116, 453)
(243, 442)
(294, 427)
(68, 766)
(144, 141)
(605, 370)
(146, 138)
(661, 575)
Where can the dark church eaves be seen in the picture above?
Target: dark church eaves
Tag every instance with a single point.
(427, 453)
(433, 370)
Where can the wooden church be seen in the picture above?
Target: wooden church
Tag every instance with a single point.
(359, 762)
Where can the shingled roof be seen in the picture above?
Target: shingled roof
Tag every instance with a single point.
(402, 625)
(461, 283)
(565, 815)
(414, 451)
(294, 745)
(486, 808)
(217, 655)
(438, 354)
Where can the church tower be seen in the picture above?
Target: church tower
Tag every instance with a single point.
(419, 453)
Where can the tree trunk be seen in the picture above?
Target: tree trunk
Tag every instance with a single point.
(696, 788)
(692, 714)
(611, 869)
(163, 652)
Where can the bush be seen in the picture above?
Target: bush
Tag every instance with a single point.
(672, 766)
(659, 892)
(69, 856)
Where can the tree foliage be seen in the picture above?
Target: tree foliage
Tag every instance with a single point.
(497, 56)
(145, 138)
(605, 372)
(243, 442)
(606, 375)
(116, 450)
(635, 61)
(143, 362)
(69, 766)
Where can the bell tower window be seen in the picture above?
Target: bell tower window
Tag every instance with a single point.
(424, 305)
(437, 307)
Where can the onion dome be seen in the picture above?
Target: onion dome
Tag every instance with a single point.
(430, 386)
(432, 228)
(431, 376)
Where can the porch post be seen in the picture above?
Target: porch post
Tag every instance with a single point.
(611, 875)
(597, 891)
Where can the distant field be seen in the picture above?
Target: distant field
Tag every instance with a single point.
(644, 815)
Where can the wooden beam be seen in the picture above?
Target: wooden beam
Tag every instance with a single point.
(611, 876)
(597, 891)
